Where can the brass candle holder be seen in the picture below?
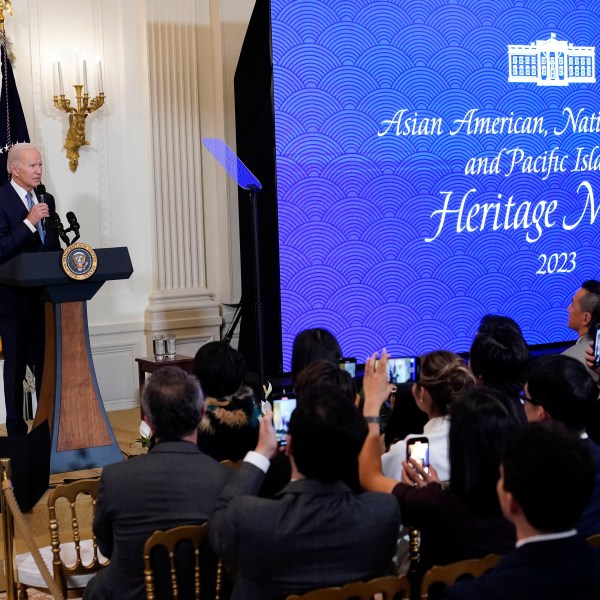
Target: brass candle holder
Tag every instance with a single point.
(77, 116)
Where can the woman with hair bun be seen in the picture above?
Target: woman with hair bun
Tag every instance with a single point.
(443, 377)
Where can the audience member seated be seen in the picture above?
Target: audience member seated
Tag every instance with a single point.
(174, 484)
(316, 532)
(551, 561)
(313, 344)
(583, 307)
(443, 377)
(593, 428)
(498, 356)
(559, 387)
(229, 427)
(465, 520)
(491, 323)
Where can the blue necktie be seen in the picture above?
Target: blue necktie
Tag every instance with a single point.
(39, 227)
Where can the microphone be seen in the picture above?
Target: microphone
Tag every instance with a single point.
(60, 230)
(74, 225)
(40, 192)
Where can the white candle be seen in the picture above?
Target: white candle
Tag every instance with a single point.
(85, 84)
(100, 82)
(77, 73)
(55, 79)
(60, 81)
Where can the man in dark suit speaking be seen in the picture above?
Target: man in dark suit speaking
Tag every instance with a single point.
(316, 532)
(22, 229)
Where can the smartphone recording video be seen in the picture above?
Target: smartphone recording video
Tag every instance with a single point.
(348, 365)
(597, 347)
(402, 370)
(282, 412)
(418, 448)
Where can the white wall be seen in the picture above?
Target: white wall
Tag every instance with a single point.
(114, 192)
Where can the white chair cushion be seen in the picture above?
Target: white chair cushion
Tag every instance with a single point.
(28, 574)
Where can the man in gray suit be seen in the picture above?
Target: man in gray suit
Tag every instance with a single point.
(174, 484)
(316, 532)
(582, 309)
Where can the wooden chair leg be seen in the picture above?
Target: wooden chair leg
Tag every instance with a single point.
(22, 592)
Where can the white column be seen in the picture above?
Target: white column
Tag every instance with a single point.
(183, 300)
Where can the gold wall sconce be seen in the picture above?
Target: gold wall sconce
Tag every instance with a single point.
(77, 116)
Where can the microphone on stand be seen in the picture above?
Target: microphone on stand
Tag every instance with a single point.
(60, 230)
(74, 226)
(40, 192)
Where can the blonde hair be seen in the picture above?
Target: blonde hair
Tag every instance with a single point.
(445, 376)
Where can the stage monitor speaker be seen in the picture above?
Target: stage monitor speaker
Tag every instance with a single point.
(30, 464)
(255, 140)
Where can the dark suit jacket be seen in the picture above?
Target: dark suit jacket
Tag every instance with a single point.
(552, 570)
(15, 238)
(310, 535)
(174, 484)
(589, 523)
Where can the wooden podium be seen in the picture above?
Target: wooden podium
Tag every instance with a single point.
(81, 435)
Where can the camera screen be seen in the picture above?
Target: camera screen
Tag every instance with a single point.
(420, 452)
(401, 370)
(597, 347)
(349, 366)
(282, 412)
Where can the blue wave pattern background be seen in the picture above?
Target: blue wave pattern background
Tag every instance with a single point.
(355, 208)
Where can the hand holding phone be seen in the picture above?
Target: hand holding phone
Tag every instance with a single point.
(417, 448)
(597, 346)
(282, 413)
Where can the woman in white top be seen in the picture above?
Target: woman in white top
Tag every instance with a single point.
(443, 377)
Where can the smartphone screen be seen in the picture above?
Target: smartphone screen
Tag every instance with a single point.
(348, 365)
(282, 412)
(418, 448)
(597, 347)
(402, 370)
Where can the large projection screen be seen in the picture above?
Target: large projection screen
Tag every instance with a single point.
(436, 161)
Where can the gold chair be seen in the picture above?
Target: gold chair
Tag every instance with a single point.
(170, 539)
(594, 540)
(382, 588)
(71, 560)
(443, 576)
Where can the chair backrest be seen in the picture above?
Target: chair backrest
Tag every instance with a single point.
(383, 588)
(170, 539)
(73, 503)
(594, 540)
(443, 576)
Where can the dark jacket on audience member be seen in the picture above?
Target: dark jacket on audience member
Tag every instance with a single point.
(174, 484)
(311, 535)
(561, 569)
(450, 531)
(589, 523)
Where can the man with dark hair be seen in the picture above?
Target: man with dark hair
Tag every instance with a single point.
(559, 387)
(491, 322)
(498, 357)
(229, 427)
(316, 532)
(551, 560)
(584, 305)
(174, 484)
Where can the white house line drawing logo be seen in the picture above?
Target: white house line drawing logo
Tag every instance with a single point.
(552, 62)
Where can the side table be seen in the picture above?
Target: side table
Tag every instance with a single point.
(149, 365)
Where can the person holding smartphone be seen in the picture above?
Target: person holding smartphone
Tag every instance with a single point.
(443, 377)
(464, 520)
